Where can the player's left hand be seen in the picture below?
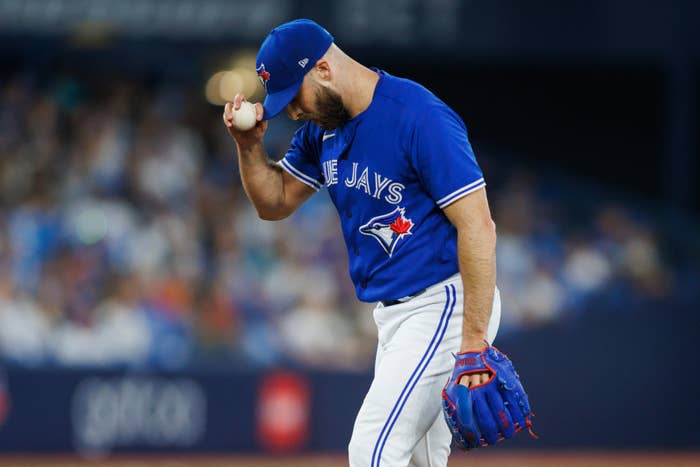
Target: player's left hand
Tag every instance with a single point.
(490, 404)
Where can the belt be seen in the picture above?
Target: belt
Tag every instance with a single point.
(401, 300)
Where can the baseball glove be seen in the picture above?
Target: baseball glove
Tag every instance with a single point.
(485, 414)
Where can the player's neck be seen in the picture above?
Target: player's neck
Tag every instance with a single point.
(360, 89)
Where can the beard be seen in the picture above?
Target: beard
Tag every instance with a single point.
(331, 113)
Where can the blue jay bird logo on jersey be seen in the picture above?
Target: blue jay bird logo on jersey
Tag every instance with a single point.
(388, 229)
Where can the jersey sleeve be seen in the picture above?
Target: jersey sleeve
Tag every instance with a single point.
(301, 160)
(443, 157)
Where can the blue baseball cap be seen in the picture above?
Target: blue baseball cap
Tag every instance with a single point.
(284, 58)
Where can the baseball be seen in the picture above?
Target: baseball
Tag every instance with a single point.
(245, 117)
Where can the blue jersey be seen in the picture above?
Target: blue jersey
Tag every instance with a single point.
(390, 171)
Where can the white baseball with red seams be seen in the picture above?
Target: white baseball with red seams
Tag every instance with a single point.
(245, 117)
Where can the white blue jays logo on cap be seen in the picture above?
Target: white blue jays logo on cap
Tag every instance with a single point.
(263, 74)
(388, 229)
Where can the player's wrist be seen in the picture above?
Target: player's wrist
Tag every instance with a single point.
(249, 146)
(473, 343)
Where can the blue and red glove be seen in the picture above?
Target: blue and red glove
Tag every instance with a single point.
(490, 412)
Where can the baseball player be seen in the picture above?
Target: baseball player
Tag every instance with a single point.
(400, 170)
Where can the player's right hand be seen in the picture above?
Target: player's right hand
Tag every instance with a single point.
(244, 138)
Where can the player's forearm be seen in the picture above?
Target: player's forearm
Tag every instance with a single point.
(476, 247)
(262, 181)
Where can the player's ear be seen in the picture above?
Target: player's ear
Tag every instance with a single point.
(322, 70)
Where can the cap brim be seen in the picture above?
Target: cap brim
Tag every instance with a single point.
(275, 102)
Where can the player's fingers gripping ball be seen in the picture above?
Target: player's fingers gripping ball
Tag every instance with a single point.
(245, 117)
(485, 414)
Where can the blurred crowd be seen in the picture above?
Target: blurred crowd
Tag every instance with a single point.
(126, 240)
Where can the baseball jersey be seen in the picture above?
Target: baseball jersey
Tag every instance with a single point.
(390, 171)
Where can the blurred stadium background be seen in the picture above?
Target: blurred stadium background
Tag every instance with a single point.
(148, 318)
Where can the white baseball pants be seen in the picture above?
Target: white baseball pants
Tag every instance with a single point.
(400, 422)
